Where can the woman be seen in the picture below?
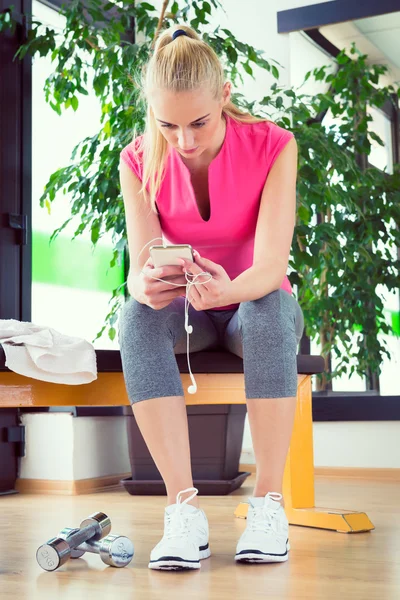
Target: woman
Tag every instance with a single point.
(209, 175)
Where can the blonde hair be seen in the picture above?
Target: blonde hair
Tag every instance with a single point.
(183, 64)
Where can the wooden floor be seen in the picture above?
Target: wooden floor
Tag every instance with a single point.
(322, 565)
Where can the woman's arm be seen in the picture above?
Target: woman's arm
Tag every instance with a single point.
(274, 232)
(142, 224)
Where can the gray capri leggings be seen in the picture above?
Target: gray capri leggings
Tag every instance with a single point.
(264, 332)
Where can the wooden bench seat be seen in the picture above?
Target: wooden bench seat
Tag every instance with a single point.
(220, 380)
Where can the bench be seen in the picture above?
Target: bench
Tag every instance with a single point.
(220, 380)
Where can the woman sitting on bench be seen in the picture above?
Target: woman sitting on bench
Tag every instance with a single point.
(207, 174)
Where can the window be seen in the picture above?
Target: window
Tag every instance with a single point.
(305, 56)
(71, 283)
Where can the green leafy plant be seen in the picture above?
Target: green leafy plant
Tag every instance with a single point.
(347, 210)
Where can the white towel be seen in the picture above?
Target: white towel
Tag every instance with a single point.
(44, 353)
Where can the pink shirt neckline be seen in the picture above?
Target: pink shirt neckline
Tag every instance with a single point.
(214, 161)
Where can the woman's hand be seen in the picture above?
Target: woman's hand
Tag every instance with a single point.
(212, 294)
(156, 294)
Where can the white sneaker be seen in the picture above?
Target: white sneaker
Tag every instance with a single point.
(266, 537)
(185, 539)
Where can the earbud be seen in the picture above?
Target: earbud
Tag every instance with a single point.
(188, 327)
(192, 389)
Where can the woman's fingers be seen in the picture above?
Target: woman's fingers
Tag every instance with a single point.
(195, 270)
(170, 275)
(194, 295)
(163, 298)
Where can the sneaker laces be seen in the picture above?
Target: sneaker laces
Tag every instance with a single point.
(177, 523)
(263, 517)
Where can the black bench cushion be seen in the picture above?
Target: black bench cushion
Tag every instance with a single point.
(226, 362)
(217, 360)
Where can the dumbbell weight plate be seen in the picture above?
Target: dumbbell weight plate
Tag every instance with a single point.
(116, 550)
(100, 519)
(53, 554)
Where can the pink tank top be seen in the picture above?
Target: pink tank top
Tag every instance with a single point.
(236, 178)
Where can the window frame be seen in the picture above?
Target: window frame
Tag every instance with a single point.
(314, 16)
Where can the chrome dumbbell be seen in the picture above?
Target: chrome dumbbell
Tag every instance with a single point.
(114, 550)
(57, 551)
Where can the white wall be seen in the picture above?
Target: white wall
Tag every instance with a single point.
(361, 444)
(60, 446)
(100, 446)
(48, 452)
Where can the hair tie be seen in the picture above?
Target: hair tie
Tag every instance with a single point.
(177, 33)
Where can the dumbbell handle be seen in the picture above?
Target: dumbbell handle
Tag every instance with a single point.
(93, 547)
(82, 535)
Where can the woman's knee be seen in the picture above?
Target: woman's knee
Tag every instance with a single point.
(269, 345)
(149, 366)
(278, 311)
(129, 314)
(141, 321)
(269, 311)
(134, 317)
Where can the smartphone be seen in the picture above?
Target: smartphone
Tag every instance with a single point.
(168, 255)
